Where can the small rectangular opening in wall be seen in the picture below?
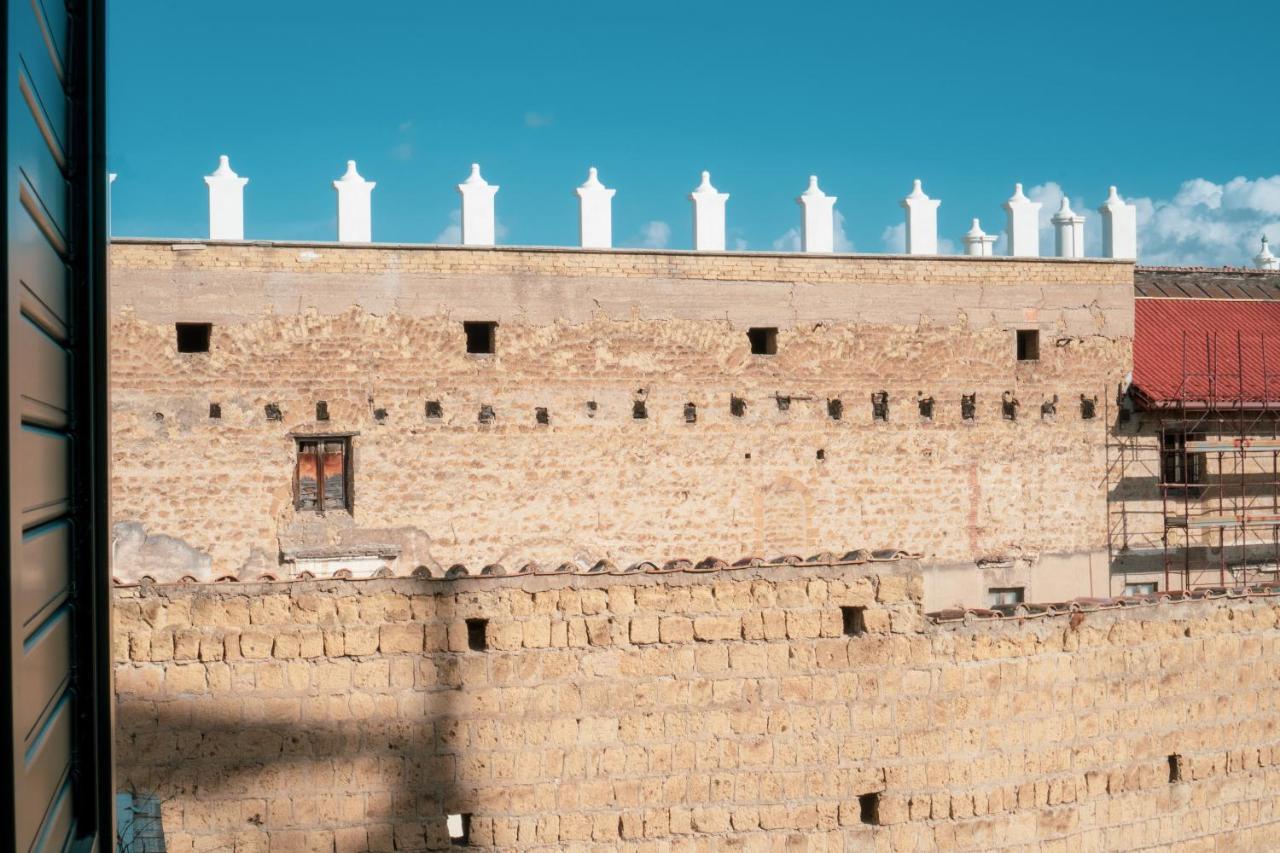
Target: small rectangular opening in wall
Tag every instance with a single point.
(869, 808)
(737, 406)
(690, 413)
(880, 406)
(639, 410)
(215, 410)
(477, 637)
(1088, 407)
(541, 416)
(592, 408)
(764, 340)
(1175, 768)
(459, 826)
(322, 411)
(193, 337)
(434, 410)
(968, 406)
(835, 409)
(854, 621)
(1028, 344)
(926, 407)
(481, 337)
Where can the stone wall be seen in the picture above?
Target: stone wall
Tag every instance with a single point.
(686, 711)
(377, 334)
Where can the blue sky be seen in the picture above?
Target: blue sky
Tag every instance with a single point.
(1171, 101)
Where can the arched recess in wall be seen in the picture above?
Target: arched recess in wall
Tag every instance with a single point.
(782, 512)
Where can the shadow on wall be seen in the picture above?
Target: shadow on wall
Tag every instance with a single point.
(344, 770)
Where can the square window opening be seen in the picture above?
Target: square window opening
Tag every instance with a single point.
(215, 410)
(322, 475)
(481, 337)
(869, 808)
(1028, 344)
(193, 337)
(477, 634)
(835, 409)
(459, 826)
(639, 411)
(435, 411)
(737, 406)
(854, 620)
(998, 596)
(541, 416)
(1180, 468)
(1088, 407)
(764, 340)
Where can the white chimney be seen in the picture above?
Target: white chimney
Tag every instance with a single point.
(355, 206)
(226, 202)
(1264, 260)
(111, 179)
(1119, 227)
(1024, 224)
(479, 223)
(978, 243)
(817, 219)
(1068, 231)
(922, 222)
(708, 216)
(595, 213)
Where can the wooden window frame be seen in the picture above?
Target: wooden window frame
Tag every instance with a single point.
(322, 505)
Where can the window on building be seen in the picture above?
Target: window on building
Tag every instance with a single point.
(998, 595)
(481, 337)
(193, 337)
(459, 826)
(880, 406)
(854, 621)
(1178, 467)
(477, 639)
(322, 479)
(869, 808)
(1141, 588)
(764, 340)
(1028, 344)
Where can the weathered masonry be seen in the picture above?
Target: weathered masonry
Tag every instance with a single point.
(810, 707)
(311, 410)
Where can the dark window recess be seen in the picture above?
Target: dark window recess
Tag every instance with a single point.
(1049, 408)
(193, 337)
(968, 406)
(477, 639)
(1175, 768)
(835, 409)
(764, 340)
(322, 411)
(854, 621)
(541, 416)
(215, 410)
(434, 410)
(1028, 344)
(639, 410)
(1088, 407)
(737, 406)
(880, 406)
(869, 808)
(322, 479)
(486, 415)
(273, 412)
(1009, 407)
(784, 403)
(379, 415)
(690, 413)
(746, 456)
(1177, 466)
(481, 337)
(926, 407)
(822, 454)
(592, 408)
(459, 826)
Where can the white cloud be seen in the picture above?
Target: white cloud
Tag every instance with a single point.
(1208, 224)
(451, 234)
(739, 244)
(790, 239)
(537, 119)
(655, 235)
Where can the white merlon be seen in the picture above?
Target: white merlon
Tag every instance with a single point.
(111, 179)
(708, 216)
(226, 202)
(1264, 260)
(355, 206)
(1119, 227)
(1068, 231)
(979, 243)
(817, 219)
(1024, 224)
(595, 213)
(922, 221)
(479, 222)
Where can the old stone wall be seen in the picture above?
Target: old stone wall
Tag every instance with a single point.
(377, 334)
(720, 711)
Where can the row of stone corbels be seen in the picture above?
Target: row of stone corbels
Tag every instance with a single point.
(595, 217)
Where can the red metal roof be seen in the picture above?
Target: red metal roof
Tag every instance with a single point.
(1206, 352)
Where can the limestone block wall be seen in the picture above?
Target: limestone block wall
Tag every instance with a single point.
(376, 333)
(726, 710)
